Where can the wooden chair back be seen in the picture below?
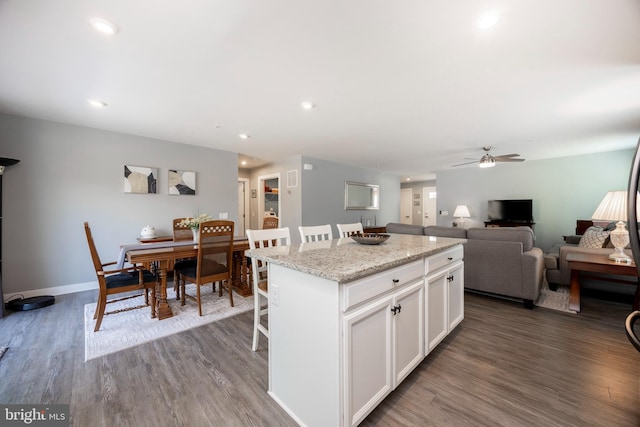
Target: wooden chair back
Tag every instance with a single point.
(269, 222)
(346, 230)
(97, 264)
(315, 233)
(181, 233)
(215, 245)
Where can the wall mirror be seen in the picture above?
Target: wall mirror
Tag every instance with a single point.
(358, 195)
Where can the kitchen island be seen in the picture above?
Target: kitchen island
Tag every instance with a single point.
(348, 322)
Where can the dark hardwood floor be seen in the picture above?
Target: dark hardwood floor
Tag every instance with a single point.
(503, 366)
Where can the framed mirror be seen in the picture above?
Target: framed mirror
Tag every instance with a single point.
(358, 196)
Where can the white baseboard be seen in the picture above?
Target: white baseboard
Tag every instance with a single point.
(58, 290)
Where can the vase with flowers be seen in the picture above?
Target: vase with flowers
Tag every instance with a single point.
(194, 224)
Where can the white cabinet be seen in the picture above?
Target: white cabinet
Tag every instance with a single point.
(408, 330)
(437, 309)
(444, 296)
(384, 342)
(368, 370)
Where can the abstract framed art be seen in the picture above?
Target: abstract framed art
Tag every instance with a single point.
(182, 182)
(140, 179)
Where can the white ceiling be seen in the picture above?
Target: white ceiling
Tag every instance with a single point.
(409, 87)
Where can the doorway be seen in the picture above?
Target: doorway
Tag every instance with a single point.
(429, 206)
(269, 199)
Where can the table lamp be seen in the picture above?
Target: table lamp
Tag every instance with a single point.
(614, 208)
(461, 212)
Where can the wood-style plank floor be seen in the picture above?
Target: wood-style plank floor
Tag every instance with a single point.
(503, 366)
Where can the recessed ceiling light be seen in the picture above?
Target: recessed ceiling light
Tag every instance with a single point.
(243, 163)
(97, 103)
(244, 136)
(307, 105)
(105, 27)
(488, 19)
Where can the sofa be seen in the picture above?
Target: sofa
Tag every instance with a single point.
(502, 261)
(555, 260)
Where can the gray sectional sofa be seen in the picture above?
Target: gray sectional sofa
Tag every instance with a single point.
(502, 261)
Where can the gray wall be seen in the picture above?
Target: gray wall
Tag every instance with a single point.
(563, 190)
(69, 174)
(323, 194)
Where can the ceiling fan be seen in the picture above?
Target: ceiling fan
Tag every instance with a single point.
(489, 161)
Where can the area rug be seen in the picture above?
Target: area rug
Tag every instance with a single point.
(555, 300)
(128, 329)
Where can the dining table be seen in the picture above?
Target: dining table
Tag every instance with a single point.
(163, 253)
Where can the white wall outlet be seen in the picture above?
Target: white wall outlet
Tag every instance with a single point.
(444, 213)
(274, 291)
(224, 215)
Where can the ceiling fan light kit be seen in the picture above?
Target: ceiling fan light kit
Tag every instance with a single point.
(487, 161)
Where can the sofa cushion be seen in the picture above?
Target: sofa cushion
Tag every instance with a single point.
(594, 237)
(504, 234)
(395, 227)
(441, 231)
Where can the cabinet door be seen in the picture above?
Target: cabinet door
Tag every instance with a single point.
(408, 330)
(367, 353)
(456, 296)
(437, 309)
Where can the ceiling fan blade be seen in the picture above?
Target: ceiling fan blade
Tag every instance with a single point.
(508, 159)
(462, 164)
(507, 155)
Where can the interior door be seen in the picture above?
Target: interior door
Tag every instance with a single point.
(429, 202)
(406, 216)
(240, 226)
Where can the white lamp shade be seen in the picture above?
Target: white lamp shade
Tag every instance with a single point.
(613, 207)
(462, 212)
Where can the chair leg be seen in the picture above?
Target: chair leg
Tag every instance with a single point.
(176, 284)
(230, 291)
(198, 298)
(182, 284)
(256, 320)
(95, 313)
(102, 303)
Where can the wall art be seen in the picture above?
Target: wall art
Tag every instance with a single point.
(140, 179)
(182, 182)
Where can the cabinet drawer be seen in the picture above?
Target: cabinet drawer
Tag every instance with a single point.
(369, 287)
(443, 259)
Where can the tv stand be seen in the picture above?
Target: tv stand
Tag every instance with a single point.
(504, 223)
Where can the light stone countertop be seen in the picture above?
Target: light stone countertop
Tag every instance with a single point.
(344, 260)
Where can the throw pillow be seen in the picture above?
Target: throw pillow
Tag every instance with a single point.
(594, 237)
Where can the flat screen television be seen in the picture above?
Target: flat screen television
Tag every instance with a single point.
(511, 210)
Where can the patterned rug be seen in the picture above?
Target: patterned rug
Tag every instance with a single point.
(128, 329)
(555, 300)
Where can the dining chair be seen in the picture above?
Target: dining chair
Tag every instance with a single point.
(262, 239)
(315, 233)
(346, 230)
(214, 262)
(269, 222)
(181, 233)
(113, 282)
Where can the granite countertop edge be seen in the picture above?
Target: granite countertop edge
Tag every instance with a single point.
(344, 260)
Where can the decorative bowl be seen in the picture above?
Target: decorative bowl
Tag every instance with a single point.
(370, 238)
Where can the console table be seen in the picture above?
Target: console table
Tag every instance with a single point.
(595, 263)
